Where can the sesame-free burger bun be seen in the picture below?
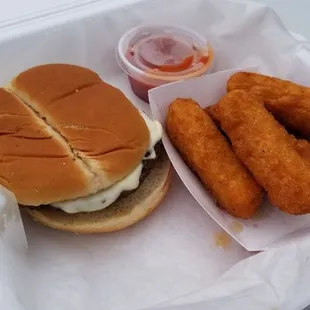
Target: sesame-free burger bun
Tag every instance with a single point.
(125, 212)
(66, 134)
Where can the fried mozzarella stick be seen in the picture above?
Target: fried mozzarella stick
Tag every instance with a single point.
(209, 154)
(301, 146)
(287, 101)
(267, 150)
(213, 113)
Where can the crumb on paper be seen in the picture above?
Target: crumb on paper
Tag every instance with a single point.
(222, 240)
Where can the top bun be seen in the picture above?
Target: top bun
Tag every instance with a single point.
(66, 134)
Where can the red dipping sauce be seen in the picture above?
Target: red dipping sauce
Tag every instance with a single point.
(156, 55)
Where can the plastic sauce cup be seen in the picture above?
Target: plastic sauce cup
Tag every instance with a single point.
(156, 55)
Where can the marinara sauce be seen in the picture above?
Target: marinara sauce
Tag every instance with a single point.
(157, 55)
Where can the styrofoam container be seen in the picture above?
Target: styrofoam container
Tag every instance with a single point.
(174, 251)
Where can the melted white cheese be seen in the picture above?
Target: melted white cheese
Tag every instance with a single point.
(106, 197)
(156, 132)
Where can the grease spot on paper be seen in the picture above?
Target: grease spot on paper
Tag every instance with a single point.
(236, 227)
(222, 240)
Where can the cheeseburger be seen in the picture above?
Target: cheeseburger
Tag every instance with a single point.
(76, 153)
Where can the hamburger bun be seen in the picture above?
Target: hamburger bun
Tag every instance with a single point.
(85, 111)
(125, 212)
(36, 164)
(100, 135)
(65, 134)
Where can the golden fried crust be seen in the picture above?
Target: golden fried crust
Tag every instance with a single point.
(287, 101)
(274, 87)
(267, 150)
(292, 111)
(208, 153)
(301, 146)
(213, 113)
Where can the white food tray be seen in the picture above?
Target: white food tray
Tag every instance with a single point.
(173, 252)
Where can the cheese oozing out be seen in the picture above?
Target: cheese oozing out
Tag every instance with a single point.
(105, 198)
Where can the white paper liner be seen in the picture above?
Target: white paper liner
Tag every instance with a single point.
(173, 251)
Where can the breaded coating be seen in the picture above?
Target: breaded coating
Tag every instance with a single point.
(267, 150)
(301, 146)
(287, 101)
(276, 86)
(209, 154)
(213, 113)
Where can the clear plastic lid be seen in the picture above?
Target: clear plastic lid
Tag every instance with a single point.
(163, 52)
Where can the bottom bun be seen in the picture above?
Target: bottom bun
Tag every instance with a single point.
(125, 212)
